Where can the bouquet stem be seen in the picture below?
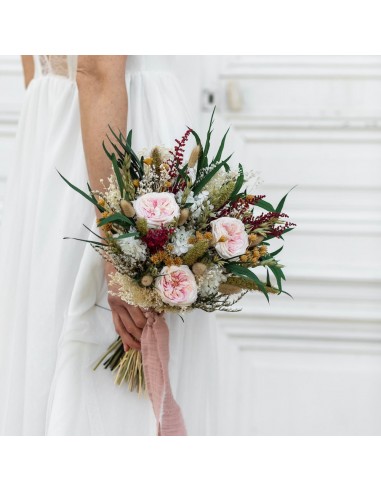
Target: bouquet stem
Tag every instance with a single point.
(128, 366)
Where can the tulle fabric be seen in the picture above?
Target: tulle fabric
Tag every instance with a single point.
(54, 317)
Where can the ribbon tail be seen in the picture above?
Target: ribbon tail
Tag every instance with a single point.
(155, 354)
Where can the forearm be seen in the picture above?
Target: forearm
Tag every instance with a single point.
(103, 102)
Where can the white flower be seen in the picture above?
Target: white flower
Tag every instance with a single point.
(210, 281)
(134, 249)
(192, 174)
(198, 203)
(180, 241)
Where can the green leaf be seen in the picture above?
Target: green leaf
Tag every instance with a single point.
(276, 271)
(99, 207)
(197, 187)
(129, 138)
(221, 148)
(268, 282)
(118, 174)
(204, 162)
(106, 151)
(287, 293)
(274, 253)
(265, 205)
(239, 182)
(86, 241)
(115, 218)
(116, 148)
(245, 272)
(280, 205)
(136, 163)
(129, 234)
(92, 232)
(88, 197)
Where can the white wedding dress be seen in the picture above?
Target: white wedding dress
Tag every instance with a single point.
(54, 321)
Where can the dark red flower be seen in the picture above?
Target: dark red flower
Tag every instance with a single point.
(155, 239)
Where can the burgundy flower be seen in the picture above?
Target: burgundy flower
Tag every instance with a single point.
(155, 239)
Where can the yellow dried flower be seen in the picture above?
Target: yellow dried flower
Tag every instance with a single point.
(247, 284)
(263, 250)
(222, 239)
(255, 239)
(192, 240)
(148, 161)
(101, 202)
(169, 247)
(156, 160)
(167, 184)
(199, 236)
(141, 226)
(196, 252)
(170, 260)
(208, 236)
(244, 258)
(222, 195)
(159, 257)
(135, 182)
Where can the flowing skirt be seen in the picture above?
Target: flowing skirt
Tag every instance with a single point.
(54, 317)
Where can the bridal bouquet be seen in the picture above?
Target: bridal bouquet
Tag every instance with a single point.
(182, 235)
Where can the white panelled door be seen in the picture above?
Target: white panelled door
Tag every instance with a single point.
(311, 365)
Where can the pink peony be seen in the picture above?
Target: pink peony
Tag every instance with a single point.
(235, 239)
(177, 286)
(157, 208)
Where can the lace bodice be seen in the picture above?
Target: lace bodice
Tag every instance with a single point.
(66, 65)
(62, 65)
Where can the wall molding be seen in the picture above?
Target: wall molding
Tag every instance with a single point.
(302, 67)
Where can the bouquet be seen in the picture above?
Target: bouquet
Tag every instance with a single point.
(182, 234)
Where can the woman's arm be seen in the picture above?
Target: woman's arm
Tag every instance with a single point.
(103, 102)
(28, 68)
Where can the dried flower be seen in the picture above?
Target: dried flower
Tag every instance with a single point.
(155, 239)
(147, 280)
(196, 252)
(199, 268)
(228, 289)
(180, 241)
(184, 215)
(127, 208)
(141, 226)
(193, 158)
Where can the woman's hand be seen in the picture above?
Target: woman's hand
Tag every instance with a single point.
(128, 320)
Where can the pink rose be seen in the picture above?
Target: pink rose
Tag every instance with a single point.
(157, 208)
(177, 286)
(233, 231)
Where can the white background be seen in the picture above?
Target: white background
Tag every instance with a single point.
(311, 365)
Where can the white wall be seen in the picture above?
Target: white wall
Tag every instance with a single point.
(311, 365)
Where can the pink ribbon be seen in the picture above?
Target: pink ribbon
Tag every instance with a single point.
(155, 353)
